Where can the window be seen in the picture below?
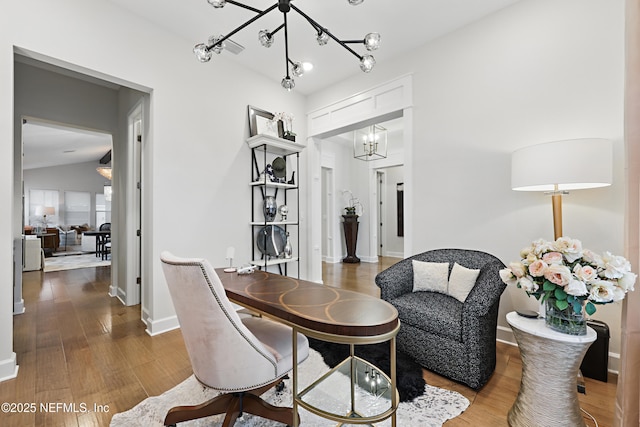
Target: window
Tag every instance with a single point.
(77, 205)
(103, 209)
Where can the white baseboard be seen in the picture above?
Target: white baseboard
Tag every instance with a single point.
(505, 335)
(8, 368)
(395, 254)
(157, 327)
(371, 259)
(331, 260)
(18, 307)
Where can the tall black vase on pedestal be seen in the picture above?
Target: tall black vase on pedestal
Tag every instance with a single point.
(350, 225)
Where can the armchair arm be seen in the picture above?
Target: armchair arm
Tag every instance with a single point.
(396, 280)
(486, 292)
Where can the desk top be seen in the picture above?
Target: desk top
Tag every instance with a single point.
(311, 306)
(538, 328)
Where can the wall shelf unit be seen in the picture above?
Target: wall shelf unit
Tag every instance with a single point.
(269, 236)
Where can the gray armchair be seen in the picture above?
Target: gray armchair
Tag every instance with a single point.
(454, 339)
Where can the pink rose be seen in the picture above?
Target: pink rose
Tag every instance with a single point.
(552, 258)
(586, 273)
(537, 268)
(558, 274)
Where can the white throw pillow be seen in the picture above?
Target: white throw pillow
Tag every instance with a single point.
(461, 282)
(430, 276)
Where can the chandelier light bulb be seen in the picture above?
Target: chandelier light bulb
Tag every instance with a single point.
(351, 2)
(202, 53)
(288, 83)
(323, 38)
(367, 62)
(217, 3)
(266, 39)
(372, 41)
(297, 69)
(214, 45)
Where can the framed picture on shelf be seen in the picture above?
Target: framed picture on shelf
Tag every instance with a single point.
(261, 122)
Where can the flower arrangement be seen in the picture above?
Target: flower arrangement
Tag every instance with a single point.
(287, 122)
(354, 207)
(566, 275)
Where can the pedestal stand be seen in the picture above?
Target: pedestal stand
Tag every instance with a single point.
(350, 225)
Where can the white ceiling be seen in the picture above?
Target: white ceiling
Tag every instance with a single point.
(403, 24)
(48, 144)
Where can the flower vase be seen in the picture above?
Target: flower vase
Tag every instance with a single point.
(566, 321)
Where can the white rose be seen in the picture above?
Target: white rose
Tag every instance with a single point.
(571, 248)
(618, 293)
(527, 284)
(602, 291)
(552, 258)
(576, 288)
(586, 273)
(518, 269)
(627, 281)
(592, 258)
(615, 266)
(507, 276)
(541, 246)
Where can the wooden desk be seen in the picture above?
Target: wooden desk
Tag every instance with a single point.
(548, 393)
(322, 312)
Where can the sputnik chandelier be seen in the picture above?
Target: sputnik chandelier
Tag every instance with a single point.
(204, 51)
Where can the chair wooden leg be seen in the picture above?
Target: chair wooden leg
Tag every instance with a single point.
(253, 404)
(229, 404)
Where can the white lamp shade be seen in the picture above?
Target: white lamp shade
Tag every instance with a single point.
(45, 210)
(570, 165)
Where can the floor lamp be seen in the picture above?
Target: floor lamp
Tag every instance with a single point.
(561, 166)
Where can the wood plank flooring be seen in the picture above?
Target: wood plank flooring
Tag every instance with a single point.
(78, 347)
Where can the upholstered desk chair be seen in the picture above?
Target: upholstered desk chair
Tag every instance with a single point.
(242, 357)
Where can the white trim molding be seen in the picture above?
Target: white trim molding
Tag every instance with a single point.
(8, 368)
(157, 327)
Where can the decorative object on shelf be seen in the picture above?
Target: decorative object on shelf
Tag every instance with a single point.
(279, 166)
(560, 166)
(292, 181)
(204, 51)
(370, 143)
(269, 208)
(271, 240)
(283, 210)
(569, 279)
(262, 122)
(285, 125)
(287, 252)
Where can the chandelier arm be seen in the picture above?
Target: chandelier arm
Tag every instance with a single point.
(353, 41)
(253, 9)
(315, 24)
(286, 45)
(276, 30)
(250, 21)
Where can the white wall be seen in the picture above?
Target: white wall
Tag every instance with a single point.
(197, 166)
(538, 71)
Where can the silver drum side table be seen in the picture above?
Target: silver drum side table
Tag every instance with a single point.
(548, 393)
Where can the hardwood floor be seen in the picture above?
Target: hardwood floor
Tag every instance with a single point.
(77, 346)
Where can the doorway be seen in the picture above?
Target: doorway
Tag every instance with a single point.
(86, 102)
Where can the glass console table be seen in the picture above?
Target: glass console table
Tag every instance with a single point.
(370, 398)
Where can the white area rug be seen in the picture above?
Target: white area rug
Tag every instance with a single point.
(431, 409)
(70, 262)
